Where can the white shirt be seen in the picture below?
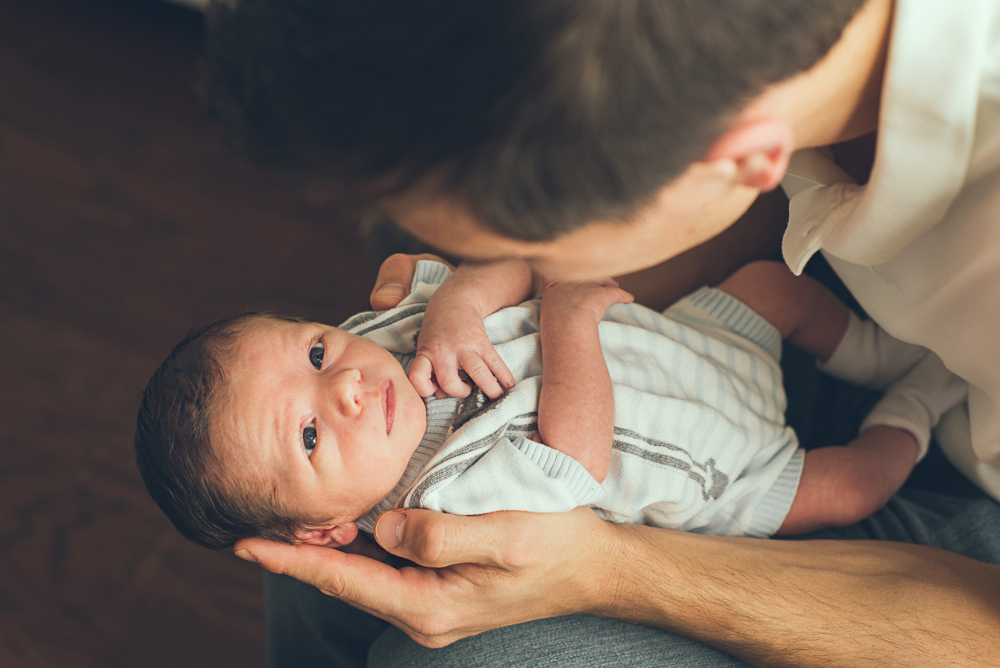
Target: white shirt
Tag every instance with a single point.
(919, 245)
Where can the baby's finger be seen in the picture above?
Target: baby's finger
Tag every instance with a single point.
(446, 375)
(481, 375)
(625, 297)
(498, 367)
(421, 371)
(454, 386)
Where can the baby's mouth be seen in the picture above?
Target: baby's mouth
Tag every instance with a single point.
(388, 405)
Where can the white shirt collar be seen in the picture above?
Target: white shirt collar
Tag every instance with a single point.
(925, 139)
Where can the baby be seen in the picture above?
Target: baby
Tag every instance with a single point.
(266, 426)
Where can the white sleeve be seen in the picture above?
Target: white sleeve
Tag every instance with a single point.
(428, 277)
(518, 475)
(396, 329)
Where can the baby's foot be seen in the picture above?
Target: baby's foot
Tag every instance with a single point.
(868, 356)
(917, 401)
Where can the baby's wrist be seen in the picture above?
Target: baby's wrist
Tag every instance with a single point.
(576, 312)
(458, 301)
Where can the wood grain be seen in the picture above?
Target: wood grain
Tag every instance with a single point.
(123, 223)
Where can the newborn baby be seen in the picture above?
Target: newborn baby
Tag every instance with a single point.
(260, 425)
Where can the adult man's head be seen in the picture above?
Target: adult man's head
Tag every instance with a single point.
(525, 120)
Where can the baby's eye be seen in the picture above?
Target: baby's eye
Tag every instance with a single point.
(316, 355)
(309, 439)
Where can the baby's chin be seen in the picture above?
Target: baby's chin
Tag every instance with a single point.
(411, 423)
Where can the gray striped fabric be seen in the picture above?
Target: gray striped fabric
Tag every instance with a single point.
(700, 440)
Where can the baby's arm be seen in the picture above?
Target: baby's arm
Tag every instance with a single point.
(453, 337)
(576, 410)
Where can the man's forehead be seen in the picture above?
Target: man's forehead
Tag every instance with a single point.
(594, 250)
(447, 225)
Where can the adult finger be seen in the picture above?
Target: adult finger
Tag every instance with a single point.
(393, 282)
(437, 540)
(353, 578)
(395, 277)
(364, 545)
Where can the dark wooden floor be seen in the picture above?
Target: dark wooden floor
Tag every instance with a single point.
(123, 222)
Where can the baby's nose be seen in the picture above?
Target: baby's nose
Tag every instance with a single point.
(347, 390)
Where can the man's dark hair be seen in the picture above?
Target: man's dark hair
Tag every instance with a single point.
(537, 115)
(174, 452)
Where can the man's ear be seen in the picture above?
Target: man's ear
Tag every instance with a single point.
(331, 536)
(759, 149)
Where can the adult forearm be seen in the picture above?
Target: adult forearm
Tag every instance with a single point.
(809, 603)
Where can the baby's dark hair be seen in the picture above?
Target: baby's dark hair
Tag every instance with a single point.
(174, 450)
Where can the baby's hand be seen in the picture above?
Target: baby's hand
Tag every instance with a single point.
(453, 338)
(560, 300)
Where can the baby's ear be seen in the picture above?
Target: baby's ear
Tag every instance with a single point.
(331, 536)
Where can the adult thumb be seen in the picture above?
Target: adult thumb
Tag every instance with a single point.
(437, 540)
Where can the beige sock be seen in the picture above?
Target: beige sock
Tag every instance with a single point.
(917, 401)
(869, 357)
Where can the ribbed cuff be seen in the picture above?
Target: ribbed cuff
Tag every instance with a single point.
(431, 272)
(560, 466)
(774, 507)
(738, 317)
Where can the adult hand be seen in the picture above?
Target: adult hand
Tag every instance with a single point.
(395, 277)
(473, 574)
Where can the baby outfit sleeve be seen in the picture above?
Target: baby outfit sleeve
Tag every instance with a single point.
(396, 329)
(428, 276)
(506, 475)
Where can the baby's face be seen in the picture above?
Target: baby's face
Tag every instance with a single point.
(327, 418)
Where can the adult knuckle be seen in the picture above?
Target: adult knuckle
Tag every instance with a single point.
(401, 259)
(431, 541)
(518, 553)
(426, 629)
(425, 637)
(435, 642)
(333, 586)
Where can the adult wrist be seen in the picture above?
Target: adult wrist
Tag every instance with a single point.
(606, 584)
(641, 577)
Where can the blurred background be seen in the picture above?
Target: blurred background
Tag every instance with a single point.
(124, 222)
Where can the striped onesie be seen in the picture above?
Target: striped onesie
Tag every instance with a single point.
(700, 438)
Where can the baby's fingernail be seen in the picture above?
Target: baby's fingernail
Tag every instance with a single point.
(389, 529)
(243, 554)
(391, 291)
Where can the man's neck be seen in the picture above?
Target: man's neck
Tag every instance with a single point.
(838, 99)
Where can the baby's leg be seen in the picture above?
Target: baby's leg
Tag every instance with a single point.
(803, 310)
(810, 316)
(841, 485)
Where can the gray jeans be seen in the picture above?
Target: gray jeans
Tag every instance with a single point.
(306, 628)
